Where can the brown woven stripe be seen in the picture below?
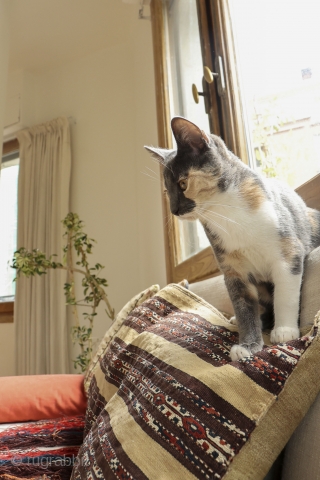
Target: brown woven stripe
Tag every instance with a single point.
(204, 412)
(112, 375)
(99, 457)
(198, 391)
(96, 403)
(221, 380)
(162, 308)
(104, 427)
(168, 435)
(90, 448)
(155, 461)
(156, 309)
(214, 428)
(257, 376)
(262, 370)
(273, 360)
(190, 331)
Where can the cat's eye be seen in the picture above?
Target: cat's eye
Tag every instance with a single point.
(183, 184)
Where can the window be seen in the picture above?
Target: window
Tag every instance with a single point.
(279, 85)
(8, 220)
(264, 102)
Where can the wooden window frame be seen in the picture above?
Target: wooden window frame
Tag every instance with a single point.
(7, 308)
(203, 265)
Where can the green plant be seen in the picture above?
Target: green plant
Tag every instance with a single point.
(271, 153)
(35, 262)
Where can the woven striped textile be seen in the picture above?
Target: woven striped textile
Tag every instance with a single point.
(121, 316)
(46, 449)
(165, 401)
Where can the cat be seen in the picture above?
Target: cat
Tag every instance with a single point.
(260, 230)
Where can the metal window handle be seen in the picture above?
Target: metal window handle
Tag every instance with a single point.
(208, 75)
(218, 74)
(196, 94)
(204, 94)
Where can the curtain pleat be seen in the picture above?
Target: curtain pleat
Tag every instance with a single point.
(40, 317)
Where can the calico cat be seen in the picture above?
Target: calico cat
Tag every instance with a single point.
(260, 230)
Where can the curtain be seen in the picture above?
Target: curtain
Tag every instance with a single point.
(40, 314)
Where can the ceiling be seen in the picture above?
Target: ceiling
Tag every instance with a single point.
(48, 33)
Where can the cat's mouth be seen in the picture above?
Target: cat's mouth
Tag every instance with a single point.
(186, 215)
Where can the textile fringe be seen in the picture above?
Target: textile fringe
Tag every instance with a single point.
(36, 464)
(11, 477)
(45, 433)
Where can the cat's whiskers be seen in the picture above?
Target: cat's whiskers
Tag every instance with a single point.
(210, 220)
(158, 162)
(150, 176)
(220, 205)
(170, 223)
(210, 213)
(168, 219)
(152, 171)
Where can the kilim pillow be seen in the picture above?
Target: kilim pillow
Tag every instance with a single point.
(178, 408)
(111, 332)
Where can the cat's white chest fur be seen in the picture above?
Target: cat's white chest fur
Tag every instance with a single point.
(251, 232)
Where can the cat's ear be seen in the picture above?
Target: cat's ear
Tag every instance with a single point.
(159, 154)
(188, 135)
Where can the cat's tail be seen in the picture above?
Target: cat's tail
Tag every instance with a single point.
(314, 219)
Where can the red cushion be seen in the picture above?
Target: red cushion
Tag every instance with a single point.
(37, 397)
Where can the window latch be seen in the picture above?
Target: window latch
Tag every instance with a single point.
(218, 74)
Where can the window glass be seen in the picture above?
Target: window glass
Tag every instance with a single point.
(8, 222)
(279, 65)
(186, 68)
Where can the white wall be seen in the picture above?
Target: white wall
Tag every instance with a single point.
(111, 95)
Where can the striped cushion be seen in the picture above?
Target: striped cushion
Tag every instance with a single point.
(167, 402)
(122, 315)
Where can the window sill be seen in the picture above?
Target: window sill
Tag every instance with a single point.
(6, 312)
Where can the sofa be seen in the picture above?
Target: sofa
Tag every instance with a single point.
(166, 355)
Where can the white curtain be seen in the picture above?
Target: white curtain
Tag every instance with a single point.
(40, 316)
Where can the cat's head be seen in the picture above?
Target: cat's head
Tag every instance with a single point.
(195, 171)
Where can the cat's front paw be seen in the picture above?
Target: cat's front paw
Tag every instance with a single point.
(284, 334)
(233, 320)
(238, 352)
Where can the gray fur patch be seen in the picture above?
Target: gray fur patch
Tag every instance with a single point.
(296, 265)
